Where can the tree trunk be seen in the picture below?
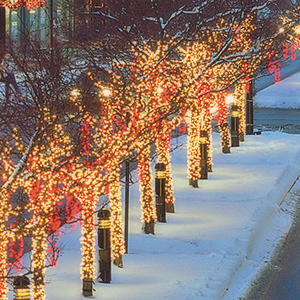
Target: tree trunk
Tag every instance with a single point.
(226, 149)
(148, 228)
(193, 183)
(118, 261)
(170, 207)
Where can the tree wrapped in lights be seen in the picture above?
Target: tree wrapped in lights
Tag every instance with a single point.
(116, 216)
(4, 238)
(44, 192)
(222, 119)
(155, 92)
(240, 102)
(194, 146)
(146, 191)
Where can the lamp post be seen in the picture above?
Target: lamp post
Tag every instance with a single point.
(104, 246)
(249, 110)
(127, 173)
(21, 288)
(203, 160)
(234, 127)
(160, 180)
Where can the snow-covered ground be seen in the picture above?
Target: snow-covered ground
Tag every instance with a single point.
(221, 235)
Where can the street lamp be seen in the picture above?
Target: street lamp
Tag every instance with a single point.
(106, 92)
(75, 93)
(104, 246)
(234, 127)
(229, 99)
(127, 177)
(21, 288)
(203, 160)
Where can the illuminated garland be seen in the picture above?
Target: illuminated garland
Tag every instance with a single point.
(274, 66)
(239, 100)
(88, 232)
(3, 264)
(116, 217)
(222, 120)
(6, 209)
(194, 146)
(44, 194)
(28, 4)
(146, 192)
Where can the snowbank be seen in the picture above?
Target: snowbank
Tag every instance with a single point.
(285, 94)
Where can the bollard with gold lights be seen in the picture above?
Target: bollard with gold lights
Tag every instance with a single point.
(160, 180)
(235, 142)
(104, 246)
(21, 288)
(203, 161)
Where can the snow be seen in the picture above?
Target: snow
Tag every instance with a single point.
(221, 235)
(285, 94)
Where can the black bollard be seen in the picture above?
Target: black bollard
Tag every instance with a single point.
(203, 161)
(104, 246)
(21, 288)
(160, 180)
(235, 127)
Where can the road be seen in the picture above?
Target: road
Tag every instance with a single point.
(280, 280)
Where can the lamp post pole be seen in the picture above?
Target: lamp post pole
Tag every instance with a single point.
(126, 205)
(51, 25)
(203, 160)
(2, 31)
(104, 246)
(127, 175)
(249, 110)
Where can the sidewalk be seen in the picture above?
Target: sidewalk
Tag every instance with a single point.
(221, 235)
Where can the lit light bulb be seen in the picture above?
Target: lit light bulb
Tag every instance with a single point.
(160, 90)
(213, 110)
(297, 30)
(229, 99)
(106, 92)
(75, 93)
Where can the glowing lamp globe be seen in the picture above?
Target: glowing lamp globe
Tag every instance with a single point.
(21, 288)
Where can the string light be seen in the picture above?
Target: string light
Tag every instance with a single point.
(146, 192)
(28, 4)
